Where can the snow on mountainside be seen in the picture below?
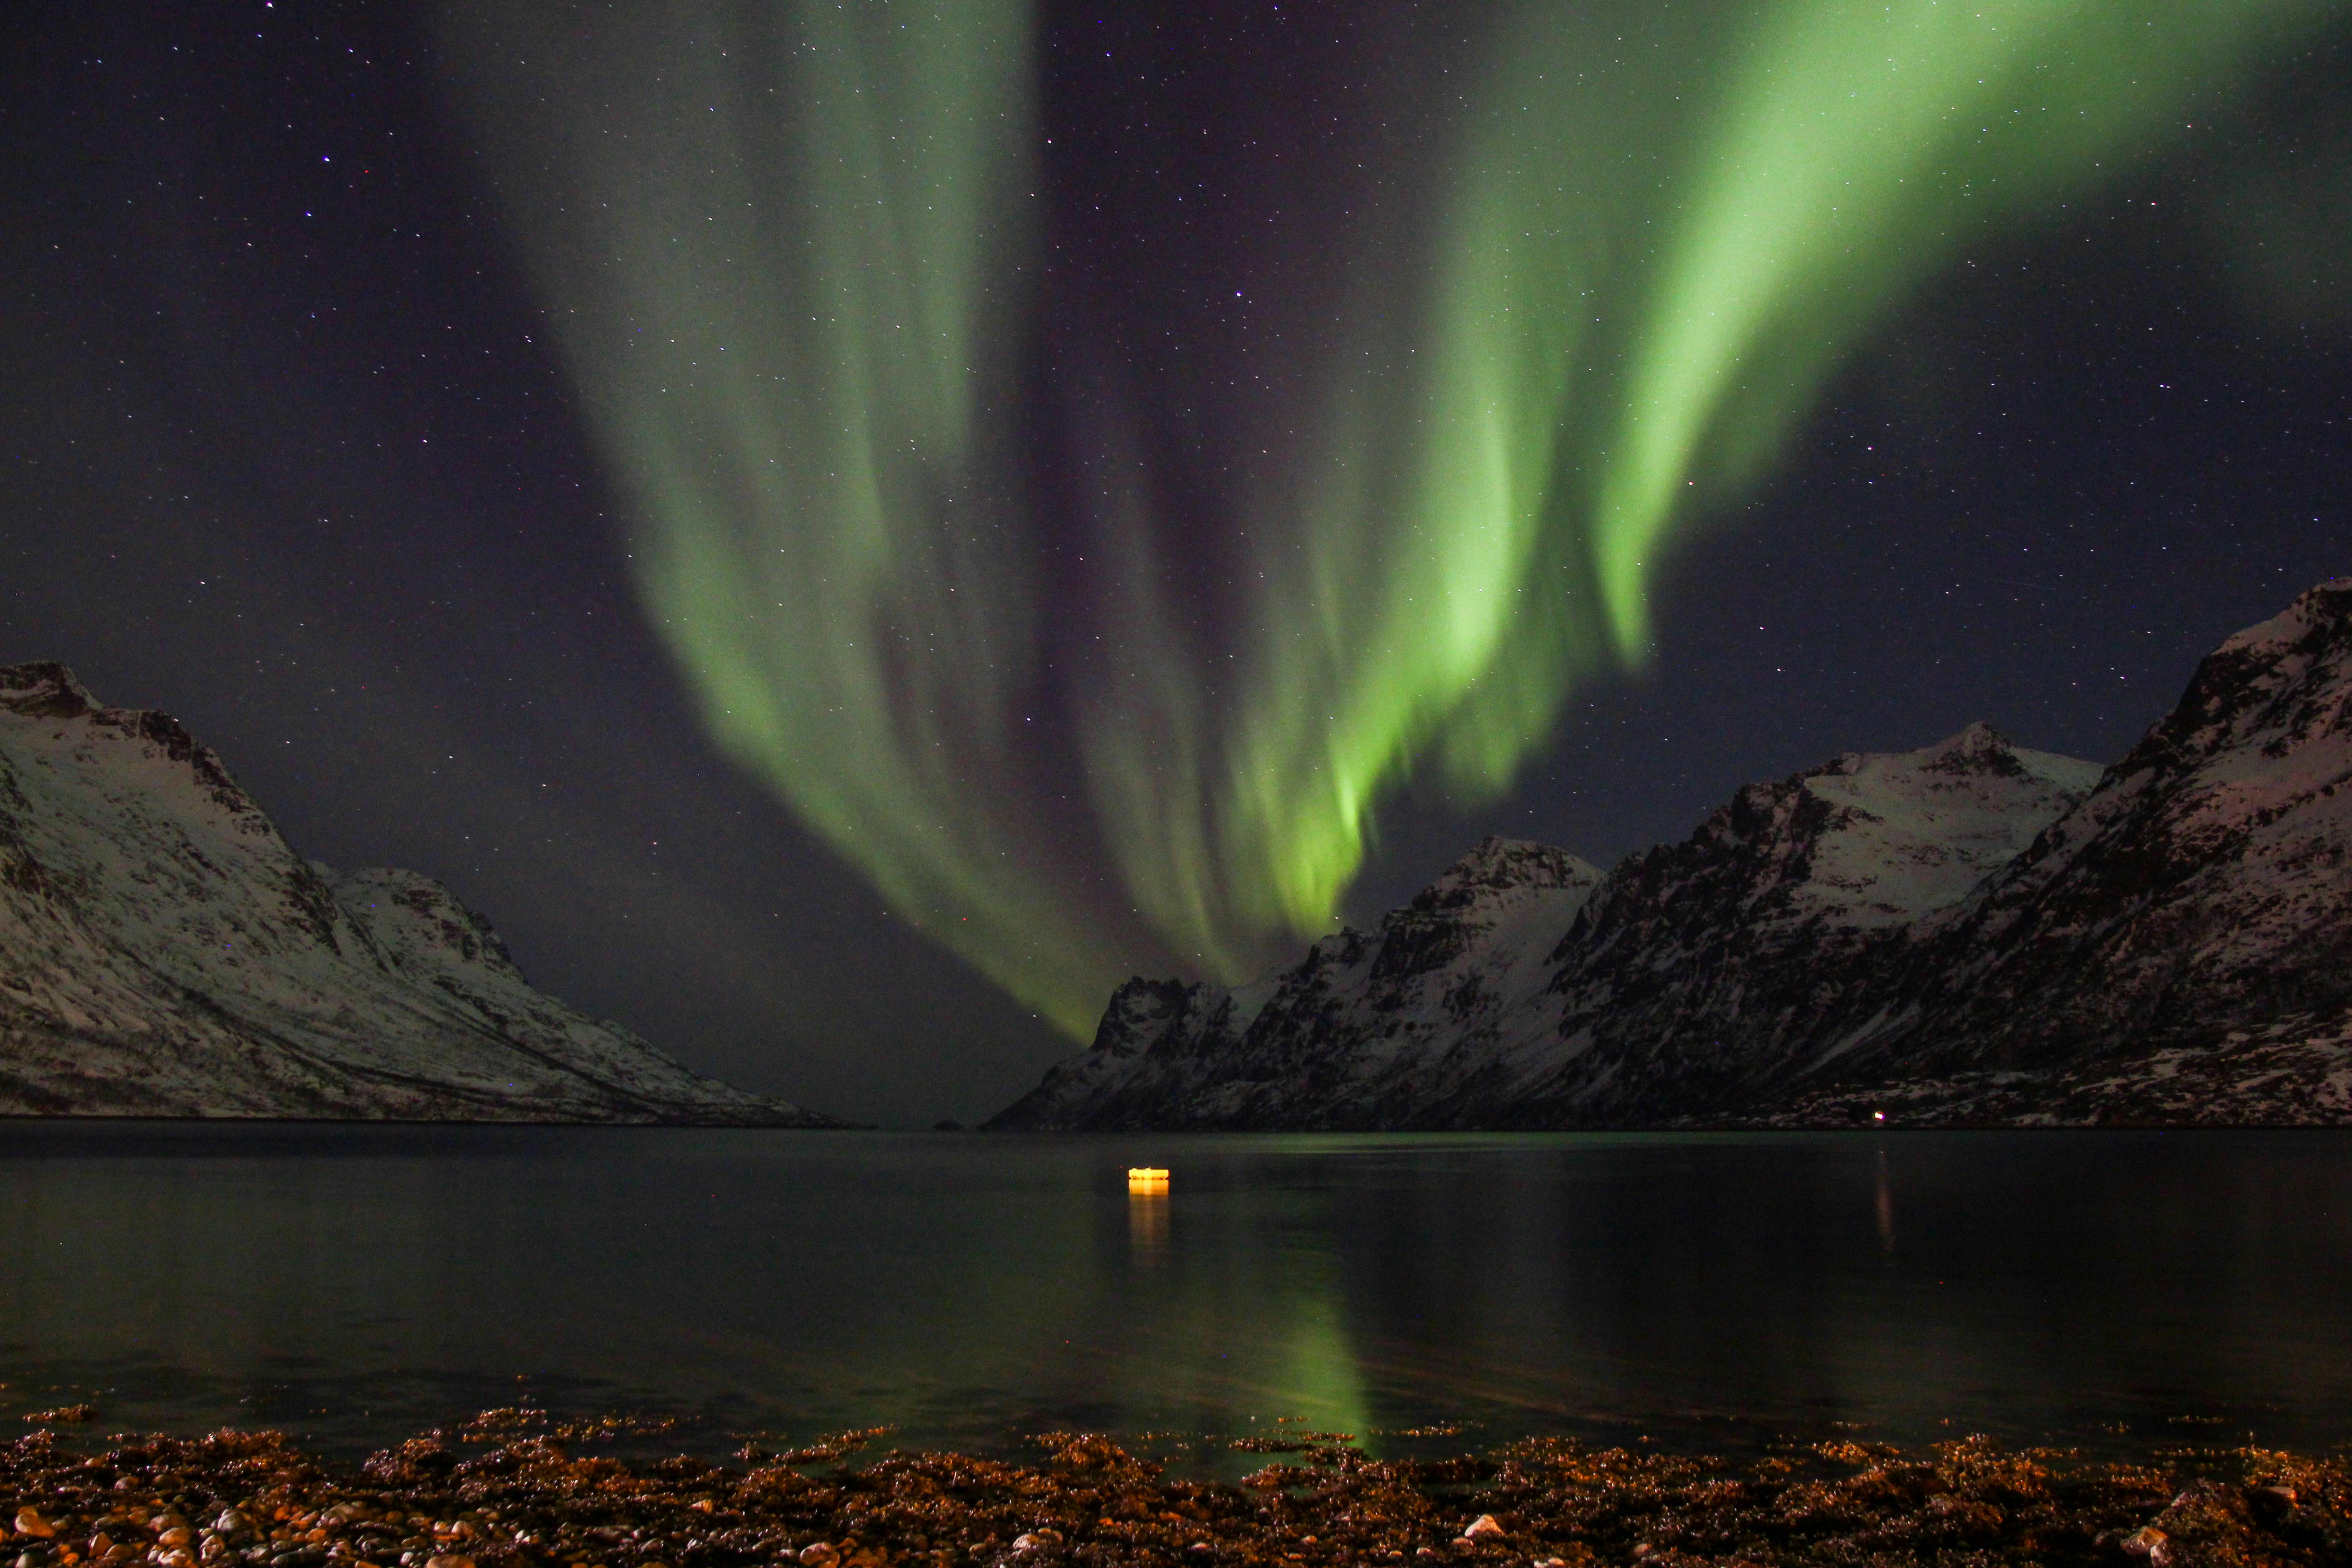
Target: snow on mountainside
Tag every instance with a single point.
(1158, 1041)
(164, 953)
(1334, 1039)
(1971, 932)
(1698, 974)
(2196, 910)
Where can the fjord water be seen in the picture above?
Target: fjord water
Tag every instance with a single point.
(357, 1285)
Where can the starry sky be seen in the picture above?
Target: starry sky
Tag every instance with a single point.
(327, 425)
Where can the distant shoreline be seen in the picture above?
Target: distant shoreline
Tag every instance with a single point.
(1074, 1135)
(86, 1118)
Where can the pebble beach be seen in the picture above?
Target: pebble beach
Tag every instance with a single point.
(509, 1491)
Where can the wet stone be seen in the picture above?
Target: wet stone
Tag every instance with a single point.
(520, 1498)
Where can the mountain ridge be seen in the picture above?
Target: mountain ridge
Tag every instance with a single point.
(1973, 932)
(164, 952)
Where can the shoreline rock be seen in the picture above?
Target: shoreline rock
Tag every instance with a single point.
(254, 1498)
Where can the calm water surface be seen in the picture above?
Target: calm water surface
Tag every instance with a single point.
(358, 1285)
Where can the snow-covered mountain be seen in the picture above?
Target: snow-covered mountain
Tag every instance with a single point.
(2179, 948)
(164, 953)
(1698, 978)
(1352, 1036)
(1972, 931)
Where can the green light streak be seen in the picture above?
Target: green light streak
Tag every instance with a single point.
(1861, 146)
(786, 248)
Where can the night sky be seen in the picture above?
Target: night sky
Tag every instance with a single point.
(319, 429)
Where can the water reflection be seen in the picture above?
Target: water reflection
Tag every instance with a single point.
(1886, 1208)
(1147, 1224)
(360, 1285)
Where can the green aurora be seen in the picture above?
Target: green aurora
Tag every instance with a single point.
(792, 252)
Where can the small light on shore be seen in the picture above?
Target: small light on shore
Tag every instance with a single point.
(1146, 1179)
(1878, 1116)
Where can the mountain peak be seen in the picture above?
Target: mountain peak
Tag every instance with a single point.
(1967, 932)
(2282, 686)
(1977, 741)
(2329, 603)
(166, 953)
(44, 690)
(1496, 864)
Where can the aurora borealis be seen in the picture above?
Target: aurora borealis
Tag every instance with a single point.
(796, 256)
(1131, 484)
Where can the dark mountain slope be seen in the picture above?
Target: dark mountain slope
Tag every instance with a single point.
(164, 953)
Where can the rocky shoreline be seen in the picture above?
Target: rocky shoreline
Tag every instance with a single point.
(508, 1492)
